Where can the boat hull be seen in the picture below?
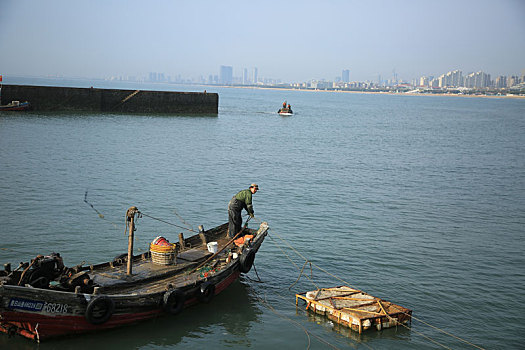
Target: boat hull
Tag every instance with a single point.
(16, 107)
(285, 112)
(45, 324)
(39, 314)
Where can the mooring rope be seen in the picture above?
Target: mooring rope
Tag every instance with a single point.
(311, 280)
(100, 215)
(271, 308)
(169, 223)
(182, 220)
(267, 304)
(348, 284)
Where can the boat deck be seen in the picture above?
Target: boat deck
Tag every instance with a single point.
(354, 308)
(114, 278)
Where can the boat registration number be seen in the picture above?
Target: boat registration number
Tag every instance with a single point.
(32, 305)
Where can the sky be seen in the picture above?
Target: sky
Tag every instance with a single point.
(294, 41)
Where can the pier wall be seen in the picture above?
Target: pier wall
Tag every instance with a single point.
(51, 98)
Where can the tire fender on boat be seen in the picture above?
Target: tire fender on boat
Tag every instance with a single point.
(98, 304)
(173, 301)
(206, 292)
(246, 260)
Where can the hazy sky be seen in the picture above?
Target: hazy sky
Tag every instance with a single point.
(288, 40)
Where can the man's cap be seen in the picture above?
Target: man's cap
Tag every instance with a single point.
(254, 185)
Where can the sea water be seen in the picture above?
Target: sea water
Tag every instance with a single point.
(419, 200)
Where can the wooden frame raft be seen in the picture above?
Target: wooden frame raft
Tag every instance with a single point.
(355, 309)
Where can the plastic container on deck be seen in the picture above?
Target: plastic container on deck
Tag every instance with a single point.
(212, 247)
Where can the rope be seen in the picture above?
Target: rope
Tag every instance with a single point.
(348, 284)
(100, 215)
(182, 220)
(302, 269)
(169, 223)
(315, 285)
(271, 308)
(438, 329)
(267, 304)
(257, 274)
(313, 264)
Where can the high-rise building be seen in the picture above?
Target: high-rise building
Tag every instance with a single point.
(226, 75)
(345, 76)
(245, 79)
(501, 82)
(254, 77)
(513, 80)
(451, 79)
(477, 80)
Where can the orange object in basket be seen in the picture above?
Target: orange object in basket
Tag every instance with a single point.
(161, 248)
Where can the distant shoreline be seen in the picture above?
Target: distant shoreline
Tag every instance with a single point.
(92, 82)
(370, 92)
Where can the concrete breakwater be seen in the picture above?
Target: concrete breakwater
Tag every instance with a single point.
(51, 98)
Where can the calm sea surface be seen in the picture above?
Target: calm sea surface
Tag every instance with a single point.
(419, 200)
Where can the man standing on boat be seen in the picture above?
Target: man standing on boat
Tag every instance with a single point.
(242, 200)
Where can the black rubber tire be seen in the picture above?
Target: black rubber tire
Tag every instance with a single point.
(246, 260)
(173, 301)
(206, 292)
(99, 302)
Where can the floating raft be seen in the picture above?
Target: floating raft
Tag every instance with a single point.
(355, 309)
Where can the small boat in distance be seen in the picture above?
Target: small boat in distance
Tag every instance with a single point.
(16, 106)
(286, 110)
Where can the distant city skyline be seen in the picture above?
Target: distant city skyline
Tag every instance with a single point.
(289, 41)
(453, 78)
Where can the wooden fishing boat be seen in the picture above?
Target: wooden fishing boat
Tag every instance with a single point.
(355, 309)
(15, 106)
(43, 298)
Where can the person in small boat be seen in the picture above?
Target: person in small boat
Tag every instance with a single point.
(289, 107)
(242, 200)
(284, 104)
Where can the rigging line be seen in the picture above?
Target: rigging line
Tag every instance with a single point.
(424, 336)
(320, 268)
(409, 328)
(439, 329)
(311, 280)
(360, 343)
(257, 274)
(13, 250)
(271, 308)
(181, 219)
(302, 269)
(169, 223)
(100, 215)
(340, 279)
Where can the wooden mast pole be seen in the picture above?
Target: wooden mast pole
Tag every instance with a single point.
(130, 220)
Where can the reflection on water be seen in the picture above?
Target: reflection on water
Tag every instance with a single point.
(228, 319)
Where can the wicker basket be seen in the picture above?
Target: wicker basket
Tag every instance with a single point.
(163, 255)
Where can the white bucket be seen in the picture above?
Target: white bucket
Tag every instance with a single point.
(212, 247)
